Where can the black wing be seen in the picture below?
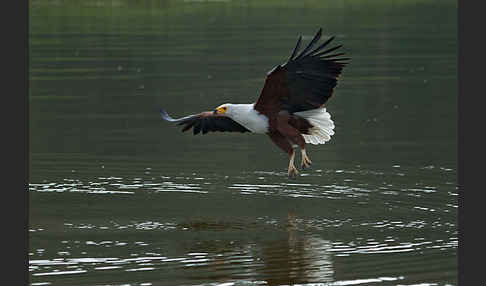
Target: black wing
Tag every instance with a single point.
(306, 81)
(205, 122)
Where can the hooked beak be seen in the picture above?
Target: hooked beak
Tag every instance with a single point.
(219, 110)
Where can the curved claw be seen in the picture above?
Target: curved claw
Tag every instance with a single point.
(293, 172)
(306, 162)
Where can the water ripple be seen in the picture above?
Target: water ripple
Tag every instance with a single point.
(339, 184)
(339, 206)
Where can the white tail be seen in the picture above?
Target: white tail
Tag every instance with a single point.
(323, 125)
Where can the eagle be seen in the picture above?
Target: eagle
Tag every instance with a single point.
(290, 108)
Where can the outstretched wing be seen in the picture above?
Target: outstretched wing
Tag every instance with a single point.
(306, 81)
(205, 122)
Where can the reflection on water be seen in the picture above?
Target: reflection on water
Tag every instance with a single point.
(299, 259)
(296, 259)
(221, 244)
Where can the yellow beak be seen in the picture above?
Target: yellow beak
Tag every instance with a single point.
(220, 110)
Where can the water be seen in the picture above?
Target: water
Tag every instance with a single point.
(119, 197)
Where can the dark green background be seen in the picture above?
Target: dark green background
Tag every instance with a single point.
(378, 206)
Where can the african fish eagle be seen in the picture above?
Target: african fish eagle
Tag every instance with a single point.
(290, 108)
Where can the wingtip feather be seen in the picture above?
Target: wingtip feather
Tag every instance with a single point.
(296, 49)
(316, 38)
(165, 115)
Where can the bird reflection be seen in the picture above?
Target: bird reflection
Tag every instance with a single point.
(300, 259)
(292, 257)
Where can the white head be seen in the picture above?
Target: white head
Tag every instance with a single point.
(245, 115)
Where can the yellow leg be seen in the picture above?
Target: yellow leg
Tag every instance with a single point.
(306, 162)
(293, 173)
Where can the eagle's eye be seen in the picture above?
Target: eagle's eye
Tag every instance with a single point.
(221, 110)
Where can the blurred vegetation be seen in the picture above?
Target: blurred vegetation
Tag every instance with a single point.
(100, 70)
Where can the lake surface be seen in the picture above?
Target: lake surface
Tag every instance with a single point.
(117, 196)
